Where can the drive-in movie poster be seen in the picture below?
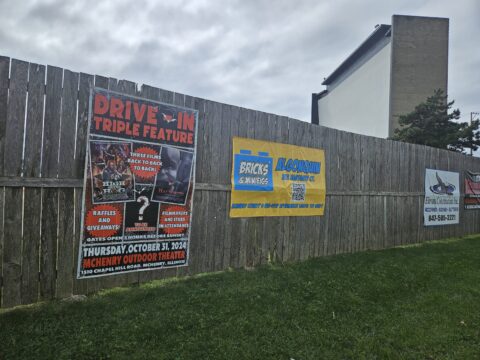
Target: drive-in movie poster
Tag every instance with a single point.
(138, 187)
(471, 200)
(273, 179)
(442, 197)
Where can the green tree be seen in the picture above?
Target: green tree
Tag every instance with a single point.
(432, 123)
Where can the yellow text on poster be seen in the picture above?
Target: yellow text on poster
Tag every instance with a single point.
(273, 179)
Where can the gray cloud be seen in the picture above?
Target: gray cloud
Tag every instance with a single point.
(263, 55)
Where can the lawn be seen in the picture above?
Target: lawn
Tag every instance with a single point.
(420, 302)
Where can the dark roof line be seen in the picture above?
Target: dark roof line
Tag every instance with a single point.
(380, 32)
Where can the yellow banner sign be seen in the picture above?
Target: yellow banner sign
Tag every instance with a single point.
(272, 179)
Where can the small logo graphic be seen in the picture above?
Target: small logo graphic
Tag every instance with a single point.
(442, 188)
(168, 118)
(253, 172)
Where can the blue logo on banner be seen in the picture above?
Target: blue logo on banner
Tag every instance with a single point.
(253, 172)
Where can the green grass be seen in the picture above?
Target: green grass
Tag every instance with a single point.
(420, 302)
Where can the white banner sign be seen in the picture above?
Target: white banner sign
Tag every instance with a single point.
(442, 197)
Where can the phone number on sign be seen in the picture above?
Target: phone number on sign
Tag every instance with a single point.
(441, 217)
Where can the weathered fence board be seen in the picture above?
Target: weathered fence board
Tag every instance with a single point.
(48, 242)
(85, 83)
(375, 187)
(33, 196)
(12, 160)
(197, 238)
(4, 81)
(12, 247)
(2, 203)
(66, 169)
(231, 113)
(4, 76)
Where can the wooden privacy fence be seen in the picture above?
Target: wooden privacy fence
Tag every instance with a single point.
(375, 187)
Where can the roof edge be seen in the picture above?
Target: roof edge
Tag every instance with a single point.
(380, 32)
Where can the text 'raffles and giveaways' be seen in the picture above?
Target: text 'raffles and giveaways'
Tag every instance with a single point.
(273, 179)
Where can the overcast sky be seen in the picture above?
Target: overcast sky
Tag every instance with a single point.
(266, 55)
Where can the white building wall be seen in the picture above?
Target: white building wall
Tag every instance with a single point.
(360, 103)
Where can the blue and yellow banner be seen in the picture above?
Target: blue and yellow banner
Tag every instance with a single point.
(272, 179)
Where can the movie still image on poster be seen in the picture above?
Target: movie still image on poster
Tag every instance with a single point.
(173, 180)
(112, 179)
(141, 216)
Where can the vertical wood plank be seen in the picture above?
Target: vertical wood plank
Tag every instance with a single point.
(284, 238)
(4, 76)
(261, 223)
(2, 203)
(220, 157)
(333, 238)
(238, 231)
(85, 84)
(357, 220)
(230, 254)
(310, 223)
(443, 164)
(251, 245)
(430, 164)
(317, 222)
(12, 160)
(303, 238)
(48, 240)
(66, 165)
(410, 210)
(12, 247)
(329, 169)
(352, 184)
(323, 245)
(420, 187)
(31, 245)
(459, 162)
(180, 100)
(66, 200)
(293, 248)
(368, 159)
(33, 196)
(272, 225)
(34, 121)
(197, 235)
(228, 112)
(209, 172)
(14, 130)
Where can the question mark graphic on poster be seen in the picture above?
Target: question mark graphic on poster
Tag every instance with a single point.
(145, 201)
